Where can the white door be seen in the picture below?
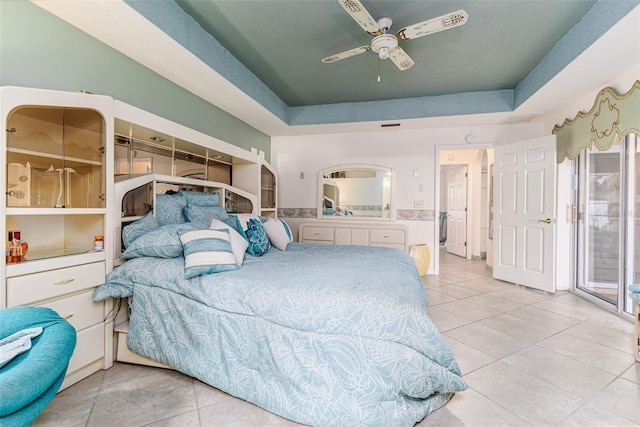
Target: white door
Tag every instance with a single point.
(457, 210)
(524, 213)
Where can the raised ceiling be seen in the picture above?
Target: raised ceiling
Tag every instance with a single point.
(282, 43)
(513, 60)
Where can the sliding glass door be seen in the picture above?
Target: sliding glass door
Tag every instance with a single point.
(633, 236)
(608, 223)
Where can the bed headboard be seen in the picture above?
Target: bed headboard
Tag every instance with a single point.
(135, 196)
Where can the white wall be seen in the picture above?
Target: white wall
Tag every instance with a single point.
(407, 151)
(417, 150)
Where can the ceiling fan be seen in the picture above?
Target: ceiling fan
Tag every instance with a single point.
(386, 45)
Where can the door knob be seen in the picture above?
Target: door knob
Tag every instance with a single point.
(546, 221)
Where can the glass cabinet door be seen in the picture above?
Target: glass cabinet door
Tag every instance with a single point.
(55, 158)
(267, 189)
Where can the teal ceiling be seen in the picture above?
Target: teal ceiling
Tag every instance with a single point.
(271, 51)
(282, 43)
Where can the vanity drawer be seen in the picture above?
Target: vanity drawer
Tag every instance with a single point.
(79, 310)
(387, 236)
(35, 287)
(317, 233)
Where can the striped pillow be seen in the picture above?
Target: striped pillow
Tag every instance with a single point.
(207, 251)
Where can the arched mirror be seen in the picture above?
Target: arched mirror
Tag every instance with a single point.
(357, 192)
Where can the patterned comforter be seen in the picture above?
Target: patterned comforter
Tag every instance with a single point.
(321, 335)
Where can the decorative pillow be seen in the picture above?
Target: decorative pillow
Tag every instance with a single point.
(207, 251)
(238, 244)
(162, 242)
(250, 227)
(169, 208)
(232, 221)
(279, 233)
(200, 198)
(204, 214)
(137, 228)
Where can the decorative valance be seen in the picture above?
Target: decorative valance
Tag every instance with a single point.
(612, 116)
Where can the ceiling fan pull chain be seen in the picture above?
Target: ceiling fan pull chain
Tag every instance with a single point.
(378, 69)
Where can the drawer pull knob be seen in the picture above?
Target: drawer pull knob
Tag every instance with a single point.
(386, 237)
(64, 282)
(68, 317)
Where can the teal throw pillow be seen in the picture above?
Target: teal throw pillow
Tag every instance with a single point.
(250, 227)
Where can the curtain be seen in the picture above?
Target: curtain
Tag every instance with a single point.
(612, 117)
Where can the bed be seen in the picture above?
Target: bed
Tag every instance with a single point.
(319, 334)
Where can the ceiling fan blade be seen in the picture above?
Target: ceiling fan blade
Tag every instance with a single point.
(346, 54)
(441, 23)
(400, 58)
(361, 16)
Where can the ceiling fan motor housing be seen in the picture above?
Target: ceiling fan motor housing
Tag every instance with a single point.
(383, 44)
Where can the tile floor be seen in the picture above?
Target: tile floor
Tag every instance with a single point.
(529, 358)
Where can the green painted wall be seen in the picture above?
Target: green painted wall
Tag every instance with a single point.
(40, 50)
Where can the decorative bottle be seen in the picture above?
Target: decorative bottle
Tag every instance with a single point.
(18, 248)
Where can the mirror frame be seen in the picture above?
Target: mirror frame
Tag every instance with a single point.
(361, 166)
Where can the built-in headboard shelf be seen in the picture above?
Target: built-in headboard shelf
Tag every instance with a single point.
(149, 185)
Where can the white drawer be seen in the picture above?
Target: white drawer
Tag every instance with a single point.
(317, 233)
(35, 287)
(89, 347)
(387, 236)
(79, 310)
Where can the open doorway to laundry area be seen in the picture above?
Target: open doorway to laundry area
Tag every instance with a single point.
(463, 203)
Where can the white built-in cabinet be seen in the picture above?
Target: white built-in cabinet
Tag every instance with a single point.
(261, 176)
(57, 181)
(62, 154)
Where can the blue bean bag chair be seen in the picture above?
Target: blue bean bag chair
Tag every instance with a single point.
(30, 380)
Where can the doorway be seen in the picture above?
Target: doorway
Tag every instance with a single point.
(476, 161)
(456, 185)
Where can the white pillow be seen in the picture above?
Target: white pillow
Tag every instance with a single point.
(238, 244)
(206, 252)
(279, 233)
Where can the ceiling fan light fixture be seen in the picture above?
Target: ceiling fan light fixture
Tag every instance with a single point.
(384, 44)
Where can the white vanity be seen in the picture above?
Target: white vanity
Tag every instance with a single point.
(350, 233)
(356, 206)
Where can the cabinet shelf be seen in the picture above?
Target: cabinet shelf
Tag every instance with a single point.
(52, 253)
(55, 211)
(52, 156)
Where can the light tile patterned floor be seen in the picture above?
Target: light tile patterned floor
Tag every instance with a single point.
(529, 358)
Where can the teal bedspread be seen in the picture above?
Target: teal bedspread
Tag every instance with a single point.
(321, 335)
